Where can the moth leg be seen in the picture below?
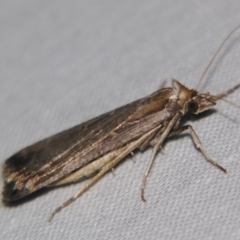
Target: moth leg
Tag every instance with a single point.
(104, 169)
(147, 141)
(199, 145)
(94, 179)
(156, 147)
(171, 134)
(178, 131)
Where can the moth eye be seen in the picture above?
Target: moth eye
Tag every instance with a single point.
(192, 107)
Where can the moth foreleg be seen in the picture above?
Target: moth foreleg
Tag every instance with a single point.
(178, 131)
(159, 140)
(172, 133)
(199, 145)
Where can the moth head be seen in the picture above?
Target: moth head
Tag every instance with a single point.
(201, 103)
(190, 101)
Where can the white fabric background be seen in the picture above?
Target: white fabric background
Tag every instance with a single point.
(64, 62)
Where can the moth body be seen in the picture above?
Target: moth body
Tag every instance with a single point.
(86, 148)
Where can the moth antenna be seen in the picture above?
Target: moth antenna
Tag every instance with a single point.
(216, 54)
(231, 103)
(226, 93)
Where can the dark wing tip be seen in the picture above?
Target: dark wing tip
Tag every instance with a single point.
(16, 163)
(13, 166)
(10, 193)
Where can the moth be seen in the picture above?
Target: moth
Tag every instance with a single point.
(94, 147)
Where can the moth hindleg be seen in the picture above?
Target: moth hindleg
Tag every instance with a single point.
(129, 148)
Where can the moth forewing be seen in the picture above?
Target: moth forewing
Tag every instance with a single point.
(56, 157)
(94, 166)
